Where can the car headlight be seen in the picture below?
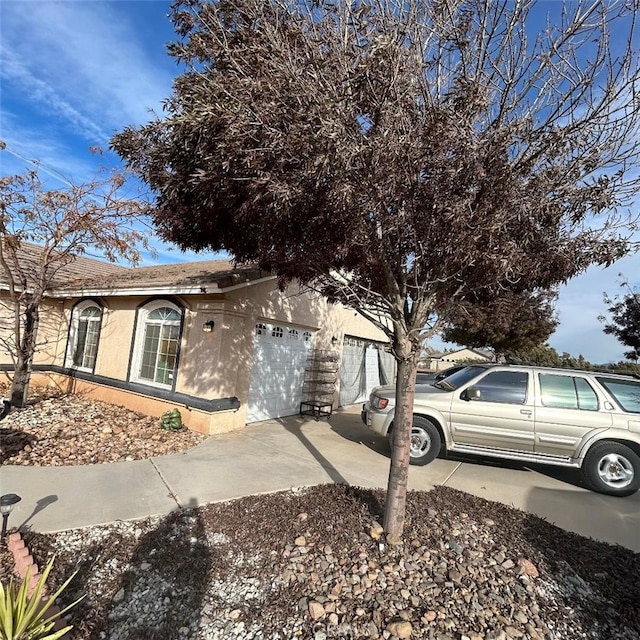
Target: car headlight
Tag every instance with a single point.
(379, 403)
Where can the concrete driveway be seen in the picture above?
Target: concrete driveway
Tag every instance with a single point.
(280, 454)
(557, 495)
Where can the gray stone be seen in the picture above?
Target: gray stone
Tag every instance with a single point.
(455, 546)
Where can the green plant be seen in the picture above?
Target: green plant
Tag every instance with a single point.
(23, 615)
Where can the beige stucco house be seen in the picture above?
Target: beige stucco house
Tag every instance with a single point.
(223, 345)
(442, 361)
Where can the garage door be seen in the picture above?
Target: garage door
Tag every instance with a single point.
(279, 358)
(364, 366)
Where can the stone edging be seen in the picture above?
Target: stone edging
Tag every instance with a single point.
(24, 567)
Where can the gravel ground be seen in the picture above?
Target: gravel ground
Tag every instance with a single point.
(58, 429)
(310, 563)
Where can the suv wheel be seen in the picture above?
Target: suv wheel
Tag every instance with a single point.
(425, 441)
(612, 468)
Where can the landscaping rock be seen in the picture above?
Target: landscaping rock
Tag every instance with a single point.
(57, 429)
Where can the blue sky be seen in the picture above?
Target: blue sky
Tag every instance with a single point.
(75, 72)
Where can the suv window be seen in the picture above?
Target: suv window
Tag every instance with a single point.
(567, 392)
(625, 392)
(503, 386)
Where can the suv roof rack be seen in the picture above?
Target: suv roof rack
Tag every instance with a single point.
(611, 372)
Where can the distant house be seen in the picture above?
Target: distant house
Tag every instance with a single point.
(442, 361)
(221, 343)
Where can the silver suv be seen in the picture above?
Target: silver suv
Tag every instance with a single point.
(562, 417)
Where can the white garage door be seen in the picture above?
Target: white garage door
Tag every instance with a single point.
(279, 359)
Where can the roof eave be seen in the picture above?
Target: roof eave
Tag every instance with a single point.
(163, 290)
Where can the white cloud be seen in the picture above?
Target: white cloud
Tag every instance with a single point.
(26, 146)
(84, 61)
(40, 91)
(73, 74)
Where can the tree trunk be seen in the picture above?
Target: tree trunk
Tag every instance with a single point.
(394, 511)
(24, 359)
(20, 383)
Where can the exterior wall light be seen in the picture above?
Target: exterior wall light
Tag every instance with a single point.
(7, 502)
(334, 341)
(207, 327)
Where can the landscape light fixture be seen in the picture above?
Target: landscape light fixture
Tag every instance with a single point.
(7, 502)
(207, 327)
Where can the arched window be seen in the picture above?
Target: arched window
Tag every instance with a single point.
(155, 353)
(84, 334)
(261, 329)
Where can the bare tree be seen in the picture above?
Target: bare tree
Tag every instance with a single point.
(398, 154)
(64, 224)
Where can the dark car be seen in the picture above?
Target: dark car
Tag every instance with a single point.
(450, 371)
(430, 377)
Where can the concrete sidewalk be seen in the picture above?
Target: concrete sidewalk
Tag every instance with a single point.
(280, 454)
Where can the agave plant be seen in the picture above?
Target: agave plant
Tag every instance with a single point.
(25, 616)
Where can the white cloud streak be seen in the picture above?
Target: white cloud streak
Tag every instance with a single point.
(84, 61)
(13, 70)
(27, 148)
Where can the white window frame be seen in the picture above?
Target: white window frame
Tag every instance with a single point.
(139, 339)
(74, 328)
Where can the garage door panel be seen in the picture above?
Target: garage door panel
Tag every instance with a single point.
(277, 375)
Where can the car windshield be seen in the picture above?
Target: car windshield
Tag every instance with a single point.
(456, 380)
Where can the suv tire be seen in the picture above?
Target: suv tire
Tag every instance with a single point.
(425, 441)
(612, 468)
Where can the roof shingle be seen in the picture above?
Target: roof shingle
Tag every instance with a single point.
(29, 256)
(222, 273)
(85, 273)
